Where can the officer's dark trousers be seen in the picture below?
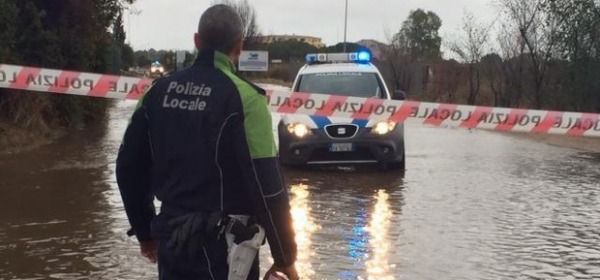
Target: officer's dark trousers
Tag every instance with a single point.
(210, 263)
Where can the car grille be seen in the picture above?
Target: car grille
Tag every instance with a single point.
(341, 131)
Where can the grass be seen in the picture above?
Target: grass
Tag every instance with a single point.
(14, 139)
(32, 119)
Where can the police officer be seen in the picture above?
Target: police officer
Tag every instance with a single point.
(201, 142)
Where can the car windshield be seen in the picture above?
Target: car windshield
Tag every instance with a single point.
(356, 84)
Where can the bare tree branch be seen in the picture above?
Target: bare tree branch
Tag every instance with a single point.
(248, 14)
(470, 48)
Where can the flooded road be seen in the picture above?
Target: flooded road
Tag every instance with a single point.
(471, 205)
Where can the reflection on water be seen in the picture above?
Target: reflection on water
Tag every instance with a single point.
(304, 226)
(377, 264)
(354, 212)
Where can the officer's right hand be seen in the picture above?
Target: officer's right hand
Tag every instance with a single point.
(289, 271)
(149, 250)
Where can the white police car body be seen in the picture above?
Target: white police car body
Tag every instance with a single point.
(328, 140)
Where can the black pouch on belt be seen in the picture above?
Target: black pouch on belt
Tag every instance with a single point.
(241, 232)
(192, 231)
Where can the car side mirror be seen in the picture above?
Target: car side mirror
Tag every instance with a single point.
(399, 95)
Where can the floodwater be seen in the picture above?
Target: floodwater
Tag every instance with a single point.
(471, 205)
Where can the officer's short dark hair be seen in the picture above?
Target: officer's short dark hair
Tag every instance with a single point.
(220, 28)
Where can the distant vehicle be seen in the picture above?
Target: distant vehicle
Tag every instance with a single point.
(310, 140)
(157, 68)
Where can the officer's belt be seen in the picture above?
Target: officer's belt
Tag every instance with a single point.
(193, 230)
(237, 225)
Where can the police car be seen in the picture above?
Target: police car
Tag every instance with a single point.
(311, 140)
(157, 68)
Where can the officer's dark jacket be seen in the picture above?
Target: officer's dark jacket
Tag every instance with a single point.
(201, 140)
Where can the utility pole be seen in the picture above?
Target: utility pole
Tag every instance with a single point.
(345, 25)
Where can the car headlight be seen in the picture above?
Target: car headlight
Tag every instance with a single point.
(383, 128)
(299, 129)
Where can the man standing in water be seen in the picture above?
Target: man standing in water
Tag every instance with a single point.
(201, 142)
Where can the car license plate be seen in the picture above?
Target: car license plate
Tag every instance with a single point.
(341, 147)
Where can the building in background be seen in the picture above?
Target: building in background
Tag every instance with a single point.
(315, 41)
(374, 46)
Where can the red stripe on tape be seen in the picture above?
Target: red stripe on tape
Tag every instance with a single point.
(407, 108)
(514, 117)
(25, 76)
(442, 113)
(291, 105)
(106, 84)
(139, 89)
(367, 109)
(549, 121)
(479, 114)
(332, 102)
(63, 81)
(582, 125)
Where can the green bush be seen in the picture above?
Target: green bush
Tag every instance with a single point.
(70, 35)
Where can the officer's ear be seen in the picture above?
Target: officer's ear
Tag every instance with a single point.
(237, 49)
(197, 41)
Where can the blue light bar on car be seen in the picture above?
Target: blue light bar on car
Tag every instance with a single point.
(359, 57)
(311, 57)
(364, 56)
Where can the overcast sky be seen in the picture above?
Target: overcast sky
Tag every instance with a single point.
(171, 24)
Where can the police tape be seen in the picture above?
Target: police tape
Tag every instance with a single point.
(448, 115)
(282, 101)
(70, 82)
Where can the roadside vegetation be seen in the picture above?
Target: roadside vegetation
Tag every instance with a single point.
(541, 54)
(80, 35)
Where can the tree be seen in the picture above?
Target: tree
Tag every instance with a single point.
(142, 59)
(470, 48)
(119, 30)
(127, 57)
(450, 76)
(417, 42)
(578, 43)
(399, 67)
(8, 23)
(419, 36)
(70, 34)
(168, 60)
(248, 14)
(537, 34)
(122, 53)
(511, 70)
(492, 69)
